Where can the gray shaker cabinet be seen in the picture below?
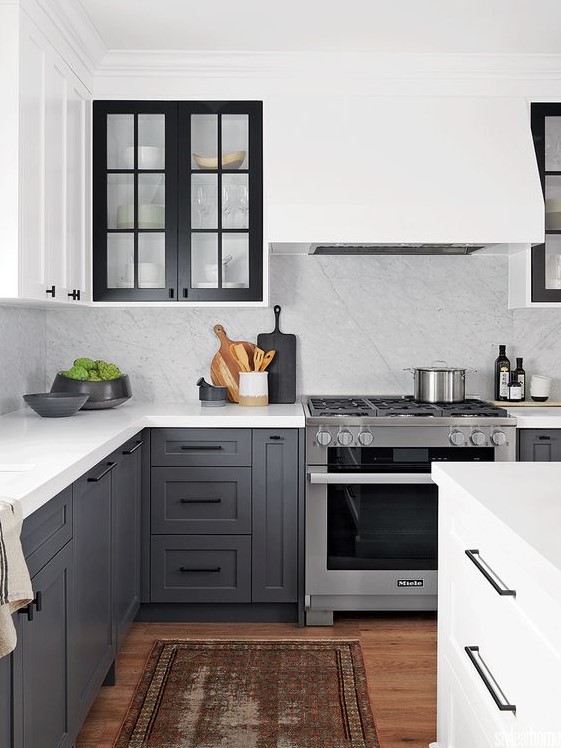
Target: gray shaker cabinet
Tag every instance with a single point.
(275, 516)
(43, 659)
(539, 445)
(6, 701)
(126, 534)
(93, 570)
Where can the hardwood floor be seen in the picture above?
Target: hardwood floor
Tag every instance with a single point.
(399, 652)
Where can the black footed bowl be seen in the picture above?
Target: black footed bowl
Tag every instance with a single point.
(107, 394)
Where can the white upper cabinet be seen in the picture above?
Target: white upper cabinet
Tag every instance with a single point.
(44, 197)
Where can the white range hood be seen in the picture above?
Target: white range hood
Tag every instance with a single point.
(383, 174)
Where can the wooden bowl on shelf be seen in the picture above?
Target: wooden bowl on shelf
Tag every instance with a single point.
(231, 160)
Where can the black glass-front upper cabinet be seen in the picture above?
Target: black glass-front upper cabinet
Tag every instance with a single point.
(178, 201)
(546, 258)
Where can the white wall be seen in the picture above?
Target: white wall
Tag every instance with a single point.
(359, 322)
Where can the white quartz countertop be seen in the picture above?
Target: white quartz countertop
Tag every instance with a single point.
(39, 457)
(525, 496)
(537, 418)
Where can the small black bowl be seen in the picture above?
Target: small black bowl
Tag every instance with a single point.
(106, 394)
(56, 404)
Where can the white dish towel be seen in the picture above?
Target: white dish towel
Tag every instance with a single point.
(15, 585)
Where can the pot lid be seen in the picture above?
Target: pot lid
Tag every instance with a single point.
(440, 368)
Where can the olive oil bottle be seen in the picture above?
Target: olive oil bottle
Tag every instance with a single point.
(502, 374)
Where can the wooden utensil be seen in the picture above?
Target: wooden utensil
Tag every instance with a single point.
(241, 354)
(267, 358)
(225, 368)
(282, 372)
(258, 355)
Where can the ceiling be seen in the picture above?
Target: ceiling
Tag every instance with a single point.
(388, 26)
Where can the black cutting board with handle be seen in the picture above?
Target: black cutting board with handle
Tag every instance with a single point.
(282, 369)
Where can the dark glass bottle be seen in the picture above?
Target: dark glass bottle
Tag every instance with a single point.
(520, 376)
(502, 374)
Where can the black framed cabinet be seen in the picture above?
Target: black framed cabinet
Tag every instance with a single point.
(177, 201)
(546, 258)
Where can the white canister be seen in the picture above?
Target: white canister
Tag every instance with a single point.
(254, 388)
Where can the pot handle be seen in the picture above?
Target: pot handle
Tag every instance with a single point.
(409, 369)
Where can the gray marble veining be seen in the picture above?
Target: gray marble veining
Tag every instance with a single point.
(360, 321)
(22, 355)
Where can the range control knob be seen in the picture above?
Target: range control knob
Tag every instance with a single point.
(345, 438)
(365, 438)
(477, 438)
(498, 438)
(457, 439)
(323, 438)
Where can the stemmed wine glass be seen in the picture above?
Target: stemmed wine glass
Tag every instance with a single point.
(202, 199)
(243, 200)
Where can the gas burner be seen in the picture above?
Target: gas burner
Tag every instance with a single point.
(397, 406)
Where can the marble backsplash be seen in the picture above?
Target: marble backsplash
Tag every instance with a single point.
(359, 320)
(22, 355)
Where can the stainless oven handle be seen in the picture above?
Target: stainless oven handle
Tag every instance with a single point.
(369, 478)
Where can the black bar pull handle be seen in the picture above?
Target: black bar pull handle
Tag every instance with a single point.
(108, 468)
(36, 603)
(132, 450)
(212, 569)
(488, 679)
(488, 573)
(201, 447)
(51, 291)
(276, 437)
(75, 295)
(544, 438)
(201, 501)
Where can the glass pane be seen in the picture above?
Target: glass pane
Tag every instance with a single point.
(204, 141)
(151, 201)
(204, 260)
(553, 203)
(204, 201)
(235, 260)
(120, 260)
(120, 201)
(120, 141)
(151, 141)
(235, 201)
(553, 261)
(553, 143)
(151, 260)
(235, 139)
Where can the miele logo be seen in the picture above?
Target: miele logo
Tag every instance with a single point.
(410, 582)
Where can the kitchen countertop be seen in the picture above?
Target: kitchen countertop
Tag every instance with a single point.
(39, 457)
(524, 496)
(536, 418)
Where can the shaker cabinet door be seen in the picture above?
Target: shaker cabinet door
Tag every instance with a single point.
(275, 516)
(44, 658)
(93, 568)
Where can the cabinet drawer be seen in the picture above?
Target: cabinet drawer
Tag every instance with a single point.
(201, 500)
(47, 530)
(201, 569)
(201, 447)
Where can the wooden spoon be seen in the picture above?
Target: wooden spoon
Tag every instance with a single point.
(240, 353)
(258, 355)
(268, 357)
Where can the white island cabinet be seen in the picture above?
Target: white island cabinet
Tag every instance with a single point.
(44, 142)
(499, 611)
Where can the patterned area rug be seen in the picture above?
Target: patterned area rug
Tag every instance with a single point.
(251, 694)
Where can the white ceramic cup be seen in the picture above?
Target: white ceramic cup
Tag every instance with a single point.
(254, 388)
(540, 387)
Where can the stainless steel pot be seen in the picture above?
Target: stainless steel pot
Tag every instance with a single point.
(439, 383)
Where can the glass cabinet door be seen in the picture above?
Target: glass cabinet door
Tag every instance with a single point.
(546, 258)
(220, 201)
(134, 247)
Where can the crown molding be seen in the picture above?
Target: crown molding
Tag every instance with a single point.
(75, 28)
(314, 64)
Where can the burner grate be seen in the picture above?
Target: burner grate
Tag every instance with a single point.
(400, 406)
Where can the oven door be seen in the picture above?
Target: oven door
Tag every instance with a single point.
(371, 540)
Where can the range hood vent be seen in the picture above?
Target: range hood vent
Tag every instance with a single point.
(394, 249)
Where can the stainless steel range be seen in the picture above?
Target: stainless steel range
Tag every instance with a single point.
(371, 506)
